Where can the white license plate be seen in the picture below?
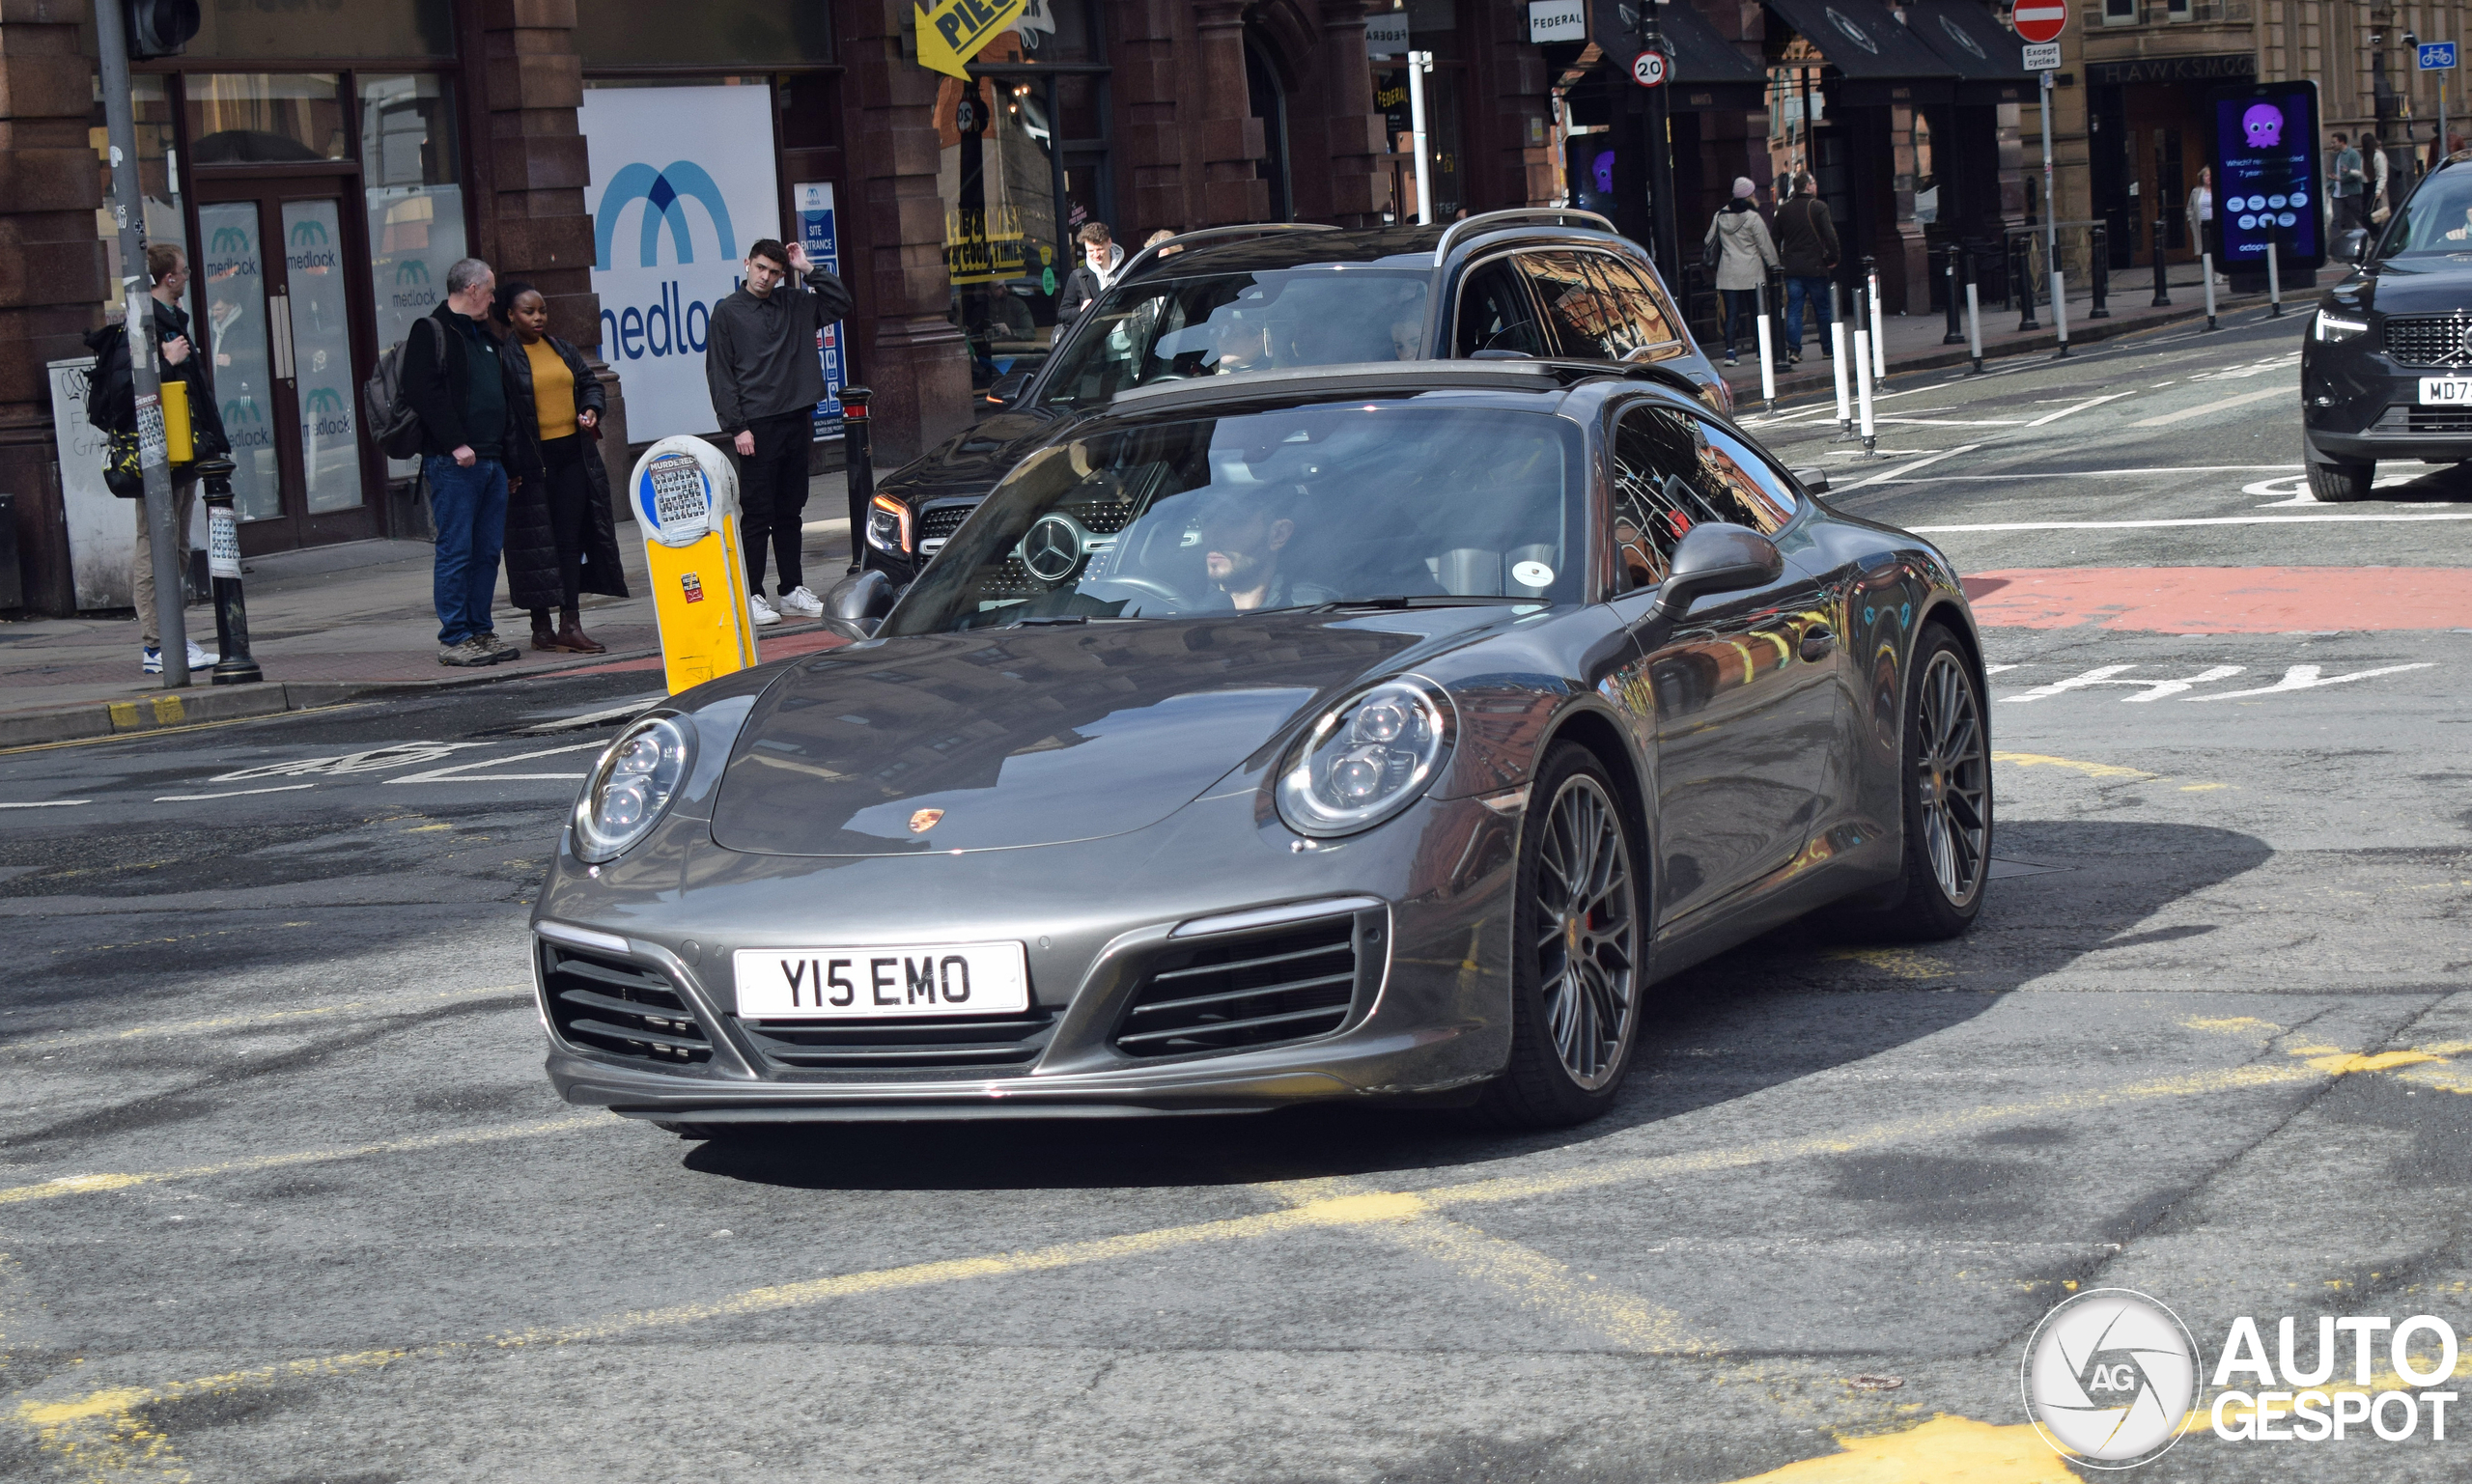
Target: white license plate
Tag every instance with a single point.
(824, 984)
(2446, 391)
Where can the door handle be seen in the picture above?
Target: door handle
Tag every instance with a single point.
(279, 334)
(1816, 645)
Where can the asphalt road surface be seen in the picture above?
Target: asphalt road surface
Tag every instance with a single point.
(284, 1194)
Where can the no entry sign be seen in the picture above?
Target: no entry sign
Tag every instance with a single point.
(1648, 69)
(2041, 20)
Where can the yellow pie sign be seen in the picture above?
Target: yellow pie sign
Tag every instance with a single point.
(952, 32)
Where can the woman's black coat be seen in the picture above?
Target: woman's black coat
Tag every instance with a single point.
(532, 576)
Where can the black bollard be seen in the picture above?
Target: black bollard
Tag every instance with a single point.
(223, 562)
(2024, 277)
(858, 467)
(1956, 333)
(2162, 291)
(2100, 250)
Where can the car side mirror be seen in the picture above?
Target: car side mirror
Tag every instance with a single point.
(1812, 481)
(1008, 388)
(1716, 557)
(857, 606)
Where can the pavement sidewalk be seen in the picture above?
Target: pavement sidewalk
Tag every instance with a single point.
(335, 624)
(1915, 341)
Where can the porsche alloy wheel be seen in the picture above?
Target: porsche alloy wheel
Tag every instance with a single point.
(1952, 778)
(1575, 978)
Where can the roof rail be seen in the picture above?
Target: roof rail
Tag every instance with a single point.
(1208, 234)
(1557, 214)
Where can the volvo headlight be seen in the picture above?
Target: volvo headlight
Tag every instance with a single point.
(2336, 328)
(1367, 759)
(632, 787)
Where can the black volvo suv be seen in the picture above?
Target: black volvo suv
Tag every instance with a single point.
(1542, 283)
(2386, 372)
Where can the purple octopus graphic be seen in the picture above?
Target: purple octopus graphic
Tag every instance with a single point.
(2263, 124)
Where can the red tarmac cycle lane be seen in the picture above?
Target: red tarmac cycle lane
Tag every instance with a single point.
(2224, 600)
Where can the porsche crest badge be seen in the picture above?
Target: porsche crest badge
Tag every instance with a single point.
(924, 821)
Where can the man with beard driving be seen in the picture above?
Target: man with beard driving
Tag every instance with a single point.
(1244, 539)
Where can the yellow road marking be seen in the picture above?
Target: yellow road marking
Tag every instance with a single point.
(2089, 770)
(267, 1018)
(2342, 1062)
(168, 731)
(1944, 1448)
(2235, 1025)
(88, 1184)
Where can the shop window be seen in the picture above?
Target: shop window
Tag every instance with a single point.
(2119, 12)
(1058, 31)
(158, 179)
(313, 30)
(408, 162)
(810, 104)
(711, 33)
(263, 118)
(2176, 10)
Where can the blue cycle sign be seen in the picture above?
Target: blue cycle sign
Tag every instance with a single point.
(2437, 56)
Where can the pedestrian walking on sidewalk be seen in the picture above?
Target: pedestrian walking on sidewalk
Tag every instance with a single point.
(761, 365)
(1744, 254)
(2200, 214)
(1101, 257)
(2374, 205)
(456, 383)
(1807, 245)
(561, 538)
(2346, 184)
(113, 394)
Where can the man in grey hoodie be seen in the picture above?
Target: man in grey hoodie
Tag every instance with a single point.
(1745, 255)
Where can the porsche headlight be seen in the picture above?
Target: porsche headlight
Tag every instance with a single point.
(632, 787)
(1367, 759)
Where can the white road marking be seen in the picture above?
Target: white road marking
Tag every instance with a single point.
(2137, 525)
(2166, 419)
(47, 803)
(188, 798)
(2092, 401)
(1882, 478)
(375, 760)
(460, 772)
(2107, 675)
(2310, 677)
(595, 718)
(2216, 468)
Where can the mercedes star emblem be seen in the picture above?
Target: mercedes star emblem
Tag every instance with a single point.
(1053, 549)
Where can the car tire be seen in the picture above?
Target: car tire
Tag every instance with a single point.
(1944, 785)
(1578, 950)
(2341, 484)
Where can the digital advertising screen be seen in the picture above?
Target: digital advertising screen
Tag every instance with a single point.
(2266, 176)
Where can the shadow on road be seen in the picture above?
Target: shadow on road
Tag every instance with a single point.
(1797, 1002)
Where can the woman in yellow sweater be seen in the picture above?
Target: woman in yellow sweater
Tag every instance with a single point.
(561, 538)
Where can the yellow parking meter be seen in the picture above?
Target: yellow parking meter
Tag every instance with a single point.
(686, 494)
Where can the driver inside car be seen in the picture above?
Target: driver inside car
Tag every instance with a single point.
(1243, 541)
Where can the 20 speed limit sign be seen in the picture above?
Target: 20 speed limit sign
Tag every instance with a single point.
(1648, 69)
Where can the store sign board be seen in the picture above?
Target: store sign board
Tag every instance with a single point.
(676, 198)
(2265, 146)
(822, 241)
(954, 31)
(1557, 20)
(1386, 35)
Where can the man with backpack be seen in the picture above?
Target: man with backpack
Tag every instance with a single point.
(452, 378)
(1807, 244)
(111, 405)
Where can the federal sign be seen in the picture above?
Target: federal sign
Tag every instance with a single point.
(1386, 35)
(954, 31)
(2041, 20)
(1557, 20)
(2437, 56)
(1648, 69)
(2042, 57)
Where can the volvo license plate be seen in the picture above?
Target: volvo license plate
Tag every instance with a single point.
(878, 983)
(2446, 391)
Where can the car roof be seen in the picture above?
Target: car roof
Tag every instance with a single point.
(1399, 247)
(1513, 380)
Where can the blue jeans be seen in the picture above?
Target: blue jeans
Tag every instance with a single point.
(469, 509)
(1742, 307)
(1823, 309)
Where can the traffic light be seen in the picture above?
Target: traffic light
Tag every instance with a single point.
(160, 28)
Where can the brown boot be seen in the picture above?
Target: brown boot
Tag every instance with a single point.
(571, 638)
(545, 641)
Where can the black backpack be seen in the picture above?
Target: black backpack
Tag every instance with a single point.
(391, 420)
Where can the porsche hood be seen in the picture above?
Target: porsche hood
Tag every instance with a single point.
(1025, 736)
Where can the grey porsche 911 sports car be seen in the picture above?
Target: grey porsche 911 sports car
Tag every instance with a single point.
(1374, 733)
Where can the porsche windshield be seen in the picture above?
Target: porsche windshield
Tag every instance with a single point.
(1173, 329)
(1383, 504)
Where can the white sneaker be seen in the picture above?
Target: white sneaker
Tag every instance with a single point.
(804, 604)
(199, 658)
(760, 611)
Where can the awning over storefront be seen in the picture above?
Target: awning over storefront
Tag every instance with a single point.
(1987, 54)
(1709, 72)
(1870, 52)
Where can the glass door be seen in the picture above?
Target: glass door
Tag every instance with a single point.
(274, 298)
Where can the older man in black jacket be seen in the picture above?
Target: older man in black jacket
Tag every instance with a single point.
(1807, 249)
(455, 381)
(761, 365)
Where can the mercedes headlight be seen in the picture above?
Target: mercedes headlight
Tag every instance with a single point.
(1367, 759)
(2336, 328)
(632, 787)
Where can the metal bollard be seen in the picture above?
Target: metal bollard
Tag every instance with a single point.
(1837, 353)
(2205, 266)
(1862, 393)
(2099, 247)
(1879, 337)
(1974, 321)
(2023, 275)
(2274, 277)
(1767, 354)
(223, 562)
(2059, 311)
(859, 469)
(2162, 291)
(1956, 334)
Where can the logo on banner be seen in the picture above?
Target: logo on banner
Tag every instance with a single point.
(664, 194)
(1957, 34)
(411, 271)
(2111, 1377)
(308, 234)
(1853, 32)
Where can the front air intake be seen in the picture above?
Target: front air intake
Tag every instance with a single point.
(609, 1003)
(1240, 990)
